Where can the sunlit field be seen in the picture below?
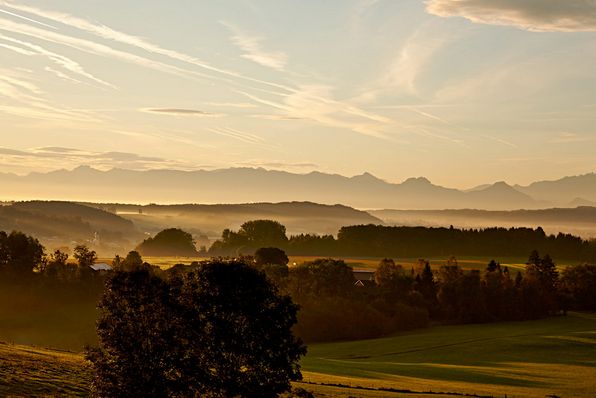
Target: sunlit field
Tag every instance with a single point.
(466, 263)
(549, 357)
(523, 359)
(30, 371)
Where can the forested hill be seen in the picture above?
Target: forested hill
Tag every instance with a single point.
(298, 217)
(59, 224)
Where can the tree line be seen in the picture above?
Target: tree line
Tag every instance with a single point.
(405, 242)
(335, 307)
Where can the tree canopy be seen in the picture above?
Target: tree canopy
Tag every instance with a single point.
(222, 331)
(169, 242)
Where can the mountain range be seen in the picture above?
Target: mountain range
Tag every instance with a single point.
(249, 185)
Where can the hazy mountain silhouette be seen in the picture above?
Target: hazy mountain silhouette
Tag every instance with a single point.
(564, 190)
(242, 185)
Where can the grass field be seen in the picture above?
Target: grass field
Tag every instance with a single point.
(514, 263)
(524, 359)
(549, 357)
(34, 372)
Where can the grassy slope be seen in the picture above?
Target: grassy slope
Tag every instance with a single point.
(27, 371)
(525, 359)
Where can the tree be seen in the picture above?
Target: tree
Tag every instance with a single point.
(86, 258)
(580, 283)
(271, 255)
(20, 254)
(392, 279)
(136, 339)
(169, 242)
(427, 286)
(543, 272)
(58, 268)
(132, 262)
(223, 331)
(262, 233)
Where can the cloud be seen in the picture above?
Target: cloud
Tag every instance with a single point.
(316, 103)
(326, 110)
(60, 157)
(244, 105)
(56, 149)
(280, 164)
(26, 100)
(251, 45)
(181, 112)
(16, 49)
(568, 138)
(60, 60)
(26, 19)
(243, 136)
(108, 33)
(532, 15)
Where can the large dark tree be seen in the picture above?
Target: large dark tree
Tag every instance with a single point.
(223, 331)
(270, 255)
(169, 242)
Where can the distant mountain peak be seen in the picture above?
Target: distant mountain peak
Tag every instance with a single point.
(501, 184)
(417, 181)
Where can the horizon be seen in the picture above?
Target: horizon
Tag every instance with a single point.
(304, 173)
(214, 85)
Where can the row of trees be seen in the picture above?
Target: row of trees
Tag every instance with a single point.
(378, 241)
(334, 307)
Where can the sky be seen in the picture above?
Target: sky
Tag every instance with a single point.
(463, 92)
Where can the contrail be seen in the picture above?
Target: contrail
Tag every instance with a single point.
(28, 19)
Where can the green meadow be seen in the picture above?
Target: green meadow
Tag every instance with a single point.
(555, 356)
(548, 357)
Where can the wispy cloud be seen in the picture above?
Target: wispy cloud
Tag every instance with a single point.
(533, 15)
(300, 102)
(17, 50)
(568, 138)
(279, 164)
(108, 33)
(60, 60)
(60, 157)
(181, 112)
(25, 18)
(501, 141)
(253, 49)
(26, 100)
(241, 105)
(316, 103)
(243, 136)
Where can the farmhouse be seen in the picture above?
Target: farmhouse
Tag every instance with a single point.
(364, 277)
(101, 267)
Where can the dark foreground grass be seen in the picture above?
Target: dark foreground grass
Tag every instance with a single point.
(35, 372)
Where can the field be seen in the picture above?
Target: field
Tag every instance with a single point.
(468, 263)
(555, 356)
(549, 357)
(28, 371)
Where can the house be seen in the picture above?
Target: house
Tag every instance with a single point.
(364, 277)
(101, 267)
